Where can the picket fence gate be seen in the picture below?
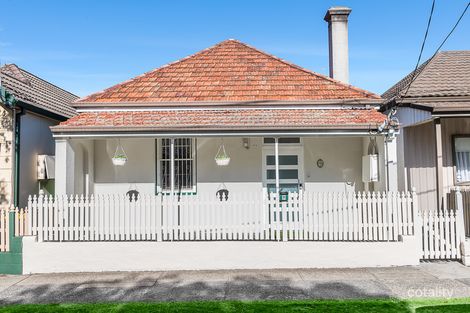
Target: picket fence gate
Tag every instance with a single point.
(440, 238)
(443, 230)
(310, 216)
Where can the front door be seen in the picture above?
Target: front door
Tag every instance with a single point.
(290, 168)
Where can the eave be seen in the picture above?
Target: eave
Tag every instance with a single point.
(135, 132)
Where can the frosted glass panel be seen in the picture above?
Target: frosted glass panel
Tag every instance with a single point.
(284, 174)
(283, 160)
(462, 159)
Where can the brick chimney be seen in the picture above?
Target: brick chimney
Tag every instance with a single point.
(337, 18)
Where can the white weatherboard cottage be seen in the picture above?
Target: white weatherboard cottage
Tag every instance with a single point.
(229, 158)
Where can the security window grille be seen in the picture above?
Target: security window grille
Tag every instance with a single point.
(184, 162)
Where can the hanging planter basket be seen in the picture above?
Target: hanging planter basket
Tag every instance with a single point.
(222, 158)
(120, 157)
(119, 160)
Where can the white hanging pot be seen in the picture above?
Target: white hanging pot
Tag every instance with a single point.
(223, 161)
(119, 160)
(221, 158)
(120, 157)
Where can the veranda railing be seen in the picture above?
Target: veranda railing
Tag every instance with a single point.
(308, 216)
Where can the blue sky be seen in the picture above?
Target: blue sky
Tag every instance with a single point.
(86, 46)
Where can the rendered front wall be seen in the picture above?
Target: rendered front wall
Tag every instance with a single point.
(93, 171)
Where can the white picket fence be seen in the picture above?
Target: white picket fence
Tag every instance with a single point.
(443, 230)
(308, 216)
(244, 216)
(20, 226)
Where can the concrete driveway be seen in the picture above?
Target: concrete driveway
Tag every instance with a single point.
(440, 279)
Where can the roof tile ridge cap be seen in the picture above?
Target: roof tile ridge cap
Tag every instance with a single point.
(9, 69)
(453, 51)
(306, 70)
(82, 100)
(41, 79)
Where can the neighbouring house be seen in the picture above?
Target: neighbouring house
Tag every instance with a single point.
(228, 158)
(434, 116)
(29, 106)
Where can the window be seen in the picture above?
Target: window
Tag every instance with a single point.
(462, 159)
(184, 155)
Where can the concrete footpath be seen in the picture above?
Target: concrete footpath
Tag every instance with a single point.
(442, 280)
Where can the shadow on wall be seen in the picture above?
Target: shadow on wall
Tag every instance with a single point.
(4, 190)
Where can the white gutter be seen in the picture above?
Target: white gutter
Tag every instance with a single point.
(451, 115)
(219, 134)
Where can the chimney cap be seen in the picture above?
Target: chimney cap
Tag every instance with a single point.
(337, 11)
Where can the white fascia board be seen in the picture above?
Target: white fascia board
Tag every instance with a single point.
(451, 115)
(216, 134)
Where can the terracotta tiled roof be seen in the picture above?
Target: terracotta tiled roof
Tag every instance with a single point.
(37, 92)
(263, 118)
(228, 71)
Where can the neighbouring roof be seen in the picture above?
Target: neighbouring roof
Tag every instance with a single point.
(37, 92)
(447, 74)
(228, 71)
(223, 119)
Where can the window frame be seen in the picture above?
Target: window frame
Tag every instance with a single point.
(158, 167)
(454, 159)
